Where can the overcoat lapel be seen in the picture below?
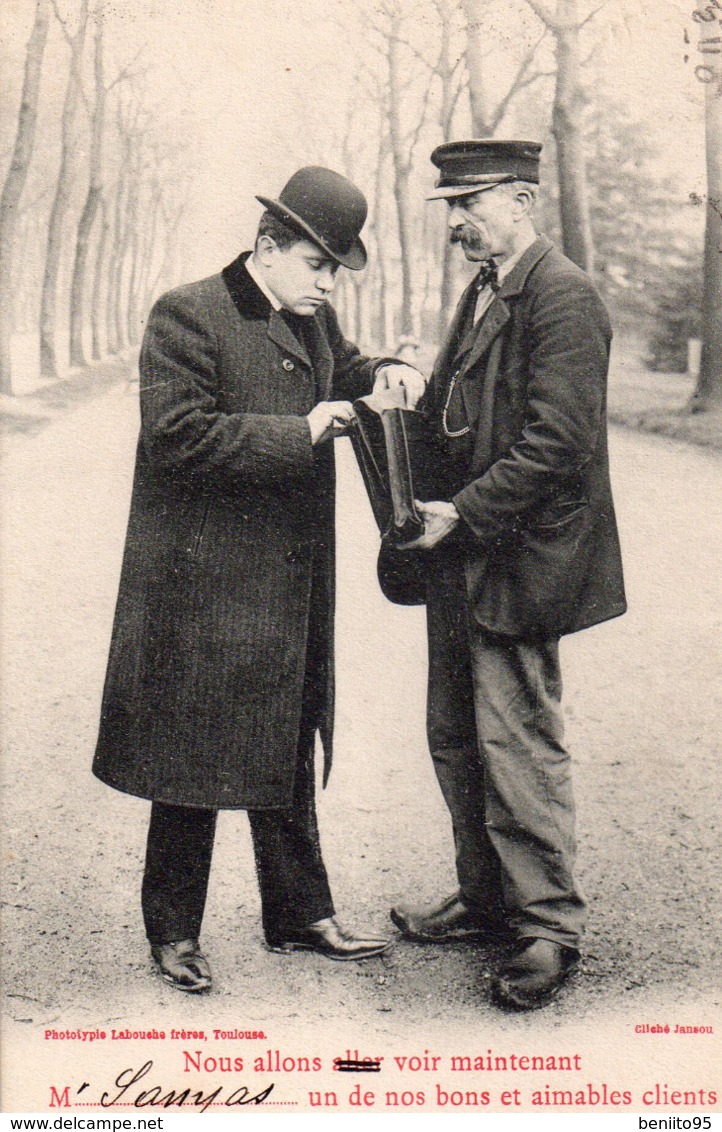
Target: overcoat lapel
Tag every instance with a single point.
(251, 303)
(248, 299)
(499, 313)
(487, 335)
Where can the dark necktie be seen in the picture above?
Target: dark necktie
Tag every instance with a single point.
(488, 274)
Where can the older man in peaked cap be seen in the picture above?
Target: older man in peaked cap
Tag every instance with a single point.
(221, 661)
(523, 549)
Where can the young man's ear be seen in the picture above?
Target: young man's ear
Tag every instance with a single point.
(265, 246)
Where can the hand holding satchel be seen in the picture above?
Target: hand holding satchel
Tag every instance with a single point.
(400, 461)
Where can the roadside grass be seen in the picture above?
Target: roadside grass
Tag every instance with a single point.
(638, 398)
(658, 402)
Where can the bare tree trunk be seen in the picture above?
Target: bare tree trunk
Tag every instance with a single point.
(569, 138)
(339, 304)
(709, 385)
(99, 284)
(124, 263)
(133, 304)
(402, 193)
(111, 332)
(146, 256)
(165, 276)
(379, 327)
(15, 182)
(377, 330)
(78, 289)
(447, 70)
(61, 201)
(358, 294)
(119, 285)
(480, 118)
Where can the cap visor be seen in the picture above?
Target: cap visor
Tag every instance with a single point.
(451, 191)
(354, 258)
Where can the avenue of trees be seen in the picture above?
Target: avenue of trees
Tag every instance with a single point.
(91, 206)
(86, 237)
(606, 198)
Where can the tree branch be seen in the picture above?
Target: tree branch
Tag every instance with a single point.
(63, 23)
(414, 141)
(591, 16)
(519, 82)
(544, 14)
(451, 110)
(414, 50)
(127, 71)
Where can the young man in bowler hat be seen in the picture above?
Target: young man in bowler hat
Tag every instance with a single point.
(221, 660)
(521, 550)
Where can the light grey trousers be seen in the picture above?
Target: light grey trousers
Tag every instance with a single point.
(496, 731)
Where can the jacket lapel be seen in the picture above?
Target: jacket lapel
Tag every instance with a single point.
(489, 327)
(280, 332)
(499, 313)
(478, 390)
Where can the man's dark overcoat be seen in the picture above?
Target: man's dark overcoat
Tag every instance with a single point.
(542, 551)
(232, 513)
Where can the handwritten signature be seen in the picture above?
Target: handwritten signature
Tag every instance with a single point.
(158, 1096)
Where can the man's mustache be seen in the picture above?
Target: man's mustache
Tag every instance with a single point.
(466, 235)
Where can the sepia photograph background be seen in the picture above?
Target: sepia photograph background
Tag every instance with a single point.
(134, 136)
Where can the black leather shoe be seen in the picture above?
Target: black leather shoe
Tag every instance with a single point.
(533, 974)
(329, 939)
(450, 922)
(183, 965)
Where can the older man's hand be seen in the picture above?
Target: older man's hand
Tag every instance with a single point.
(439, 521)
(404, 377)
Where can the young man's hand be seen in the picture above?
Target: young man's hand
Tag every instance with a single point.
(329, 419)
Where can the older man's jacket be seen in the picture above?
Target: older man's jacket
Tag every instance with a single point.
(232, 513)
(541, 550)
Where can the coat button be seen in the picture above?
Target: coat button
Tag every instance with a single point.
(288, 364)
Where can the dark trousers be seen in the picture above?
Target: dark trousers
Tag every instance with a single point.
(495, 732)
(291, 874)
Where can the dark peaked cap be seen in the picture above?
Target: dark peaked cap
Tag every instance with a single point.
(326, 207)
(467, 166)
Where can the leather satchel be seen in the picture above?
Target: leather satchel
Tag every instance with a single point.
(400, 461)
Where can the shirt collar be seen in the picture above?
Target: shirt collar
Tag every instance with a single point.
(509, 264)
(261, 284)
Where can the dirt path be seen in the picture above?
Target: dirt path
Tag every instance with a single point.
(642, 704)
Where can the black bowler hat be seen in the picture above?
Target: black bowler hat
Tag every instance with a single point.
(326, 207)
(468, 166)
